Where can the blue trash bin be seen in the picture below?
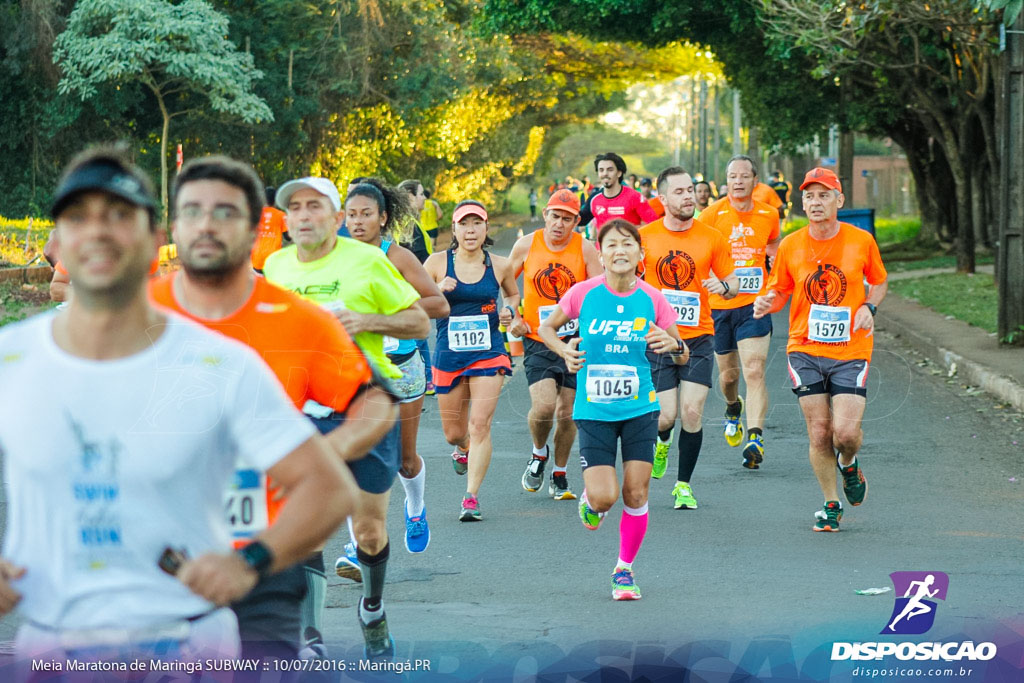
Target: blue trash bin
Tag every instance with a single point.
(862, 218)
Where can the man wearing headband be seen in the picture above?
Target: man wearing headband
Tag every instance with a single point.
(120, 431)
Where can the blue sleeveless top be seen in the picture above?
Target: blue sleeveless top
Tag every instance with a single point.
(404, 346)
(470, 332)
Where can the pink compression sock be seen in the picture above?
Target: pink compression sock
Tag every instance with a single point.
(632, 528)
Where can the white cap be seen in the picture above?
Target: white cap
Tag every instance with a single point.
(321, 185)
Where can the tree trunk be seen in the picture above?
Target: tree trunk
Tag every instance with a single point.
(962, 181)
(163, 166)
(981, 233)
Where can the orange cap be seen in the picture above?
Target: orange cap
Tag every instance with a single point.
(566, 200)
(825, 176)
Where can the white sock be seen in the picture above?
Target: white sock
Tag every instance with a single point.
(558, 470)
(351, 532)
(414, 491)
(636, 512)
(541, 452)
(369, 616)
(622, 564)
(839, 461)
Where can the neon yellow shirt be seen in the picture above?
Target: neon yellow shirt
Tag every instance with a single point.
(358, 276)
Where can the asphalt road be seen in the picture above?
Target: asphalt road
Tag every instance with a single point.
(741, 586)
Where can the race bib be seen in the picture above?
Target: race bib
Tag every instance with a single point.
(612, 383)
(566, 330)
(390, 344)
(245, 504)
(829, 324)
(751, 280)
(469, 333)
(685, 304)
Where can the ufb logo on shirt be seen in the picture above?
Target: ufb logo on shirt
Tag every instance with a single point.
(914, 612)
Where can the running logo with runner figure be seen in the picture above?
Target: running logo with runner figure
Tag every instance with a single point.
(914, 613)
(676, 269)
(554, 281)
(826, 286)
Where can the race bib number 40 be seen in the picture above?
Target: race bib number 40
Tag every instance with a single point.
(245, 504)
(751, 280)
(685, 304)
(612, 383)
(566, 330)
(469, 333)
(829, 324)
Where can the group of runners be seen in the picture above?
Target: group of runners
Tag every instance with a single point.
(162, 417)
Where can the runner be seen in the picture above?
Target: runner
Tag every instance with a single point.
(621, 321)
(615, 200)
(766, 194)
(215, 199)
(469, 345)
(551, 260)
(702, 194)
(752, 230)
(831, 323)
(687, 260)
(120, 431)
(272, 232)
(365, 292)
(372, 212)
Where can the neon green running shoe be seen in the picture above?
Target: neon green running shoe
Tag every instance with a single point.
(660, 459)
(733, 426)
(590, 519)
(684, 496)
(624, 585)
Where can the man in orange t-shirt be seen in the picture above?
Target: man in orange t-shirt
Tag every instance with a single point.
(741, 341)
(764, 193)
(688, 261)
(271, 232)
(831, 323)
(551, 260)
(217, 204)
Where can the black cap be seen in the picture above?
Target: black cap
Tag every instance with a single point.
(102, 176)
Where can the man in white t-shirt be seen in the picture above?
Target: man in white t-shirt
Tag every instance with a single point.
(120, 432)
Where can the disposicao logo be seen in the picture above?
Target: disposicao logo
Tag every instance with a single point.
(914, 614)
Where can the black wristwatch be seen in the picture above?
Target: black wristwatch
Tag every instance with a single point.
(258, 557)
(680, 348)
(871, 307)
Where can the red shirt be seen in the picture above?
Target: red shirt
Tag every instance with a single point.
(628, 204)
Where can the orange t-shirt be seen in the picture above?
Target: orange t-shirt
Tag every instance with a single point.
(306, 347)
(748, 234)
(677, 263)
(825, 278)
(764, 193)
(547, 275)
(268, 236)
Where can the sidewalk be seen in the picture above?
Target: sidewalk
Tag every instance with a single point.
(970, 353)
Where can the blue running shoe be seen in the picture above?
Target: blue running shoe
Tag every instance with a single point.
(417, 532)
(347, 566)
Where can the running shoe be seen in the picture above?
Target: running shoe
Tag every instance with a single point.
(855, 486)
(377, 641)
(590, 519)
(314, 647)
(684, 496)
(734, 426)
(460, 461)
(623, 585)
(347, 566)
(470, 509)
(827, 519)
(558, 487)
(533, 477)
(660, 459)
(753, 453)
(431, 389)
(417, 531)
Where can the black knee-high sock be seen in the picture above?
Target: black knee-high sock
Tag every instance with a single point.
(374, 568)
(689, 449)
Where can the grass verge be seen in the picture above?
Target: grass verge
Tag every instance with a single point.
(971, 298)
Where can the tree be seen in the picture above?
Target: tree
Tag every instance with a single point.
(179, 52)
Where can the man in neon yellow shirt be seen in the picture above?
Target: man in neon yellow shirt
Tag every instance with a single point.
(357, 282)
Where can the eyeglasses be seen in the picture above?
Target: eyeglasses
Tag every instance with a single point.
(218, 214)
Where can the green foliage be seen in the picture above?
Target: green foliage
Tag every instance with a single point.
(178, 51)
(970, 298)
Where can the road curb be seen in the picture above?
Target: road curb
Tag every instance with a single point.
(895, 320)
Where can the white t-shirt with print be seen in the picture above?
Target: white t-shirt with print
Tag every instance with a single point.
(106, 463)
